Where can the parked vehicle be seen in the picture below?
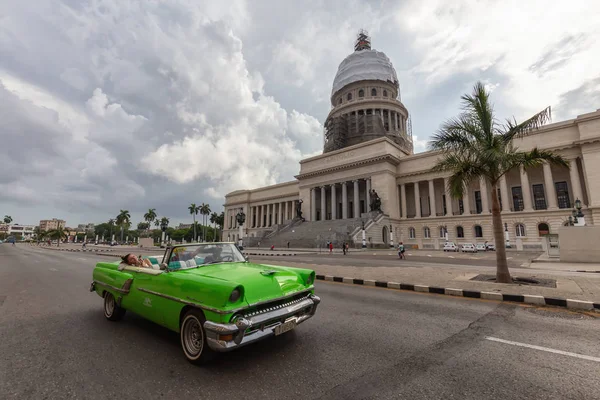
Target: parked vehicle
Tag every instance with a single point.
(491, 247)
(468, 248)
(480, 247)
(210, 294)
(450, 246)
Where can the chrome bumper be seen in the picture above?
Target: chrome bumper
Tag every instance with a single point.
(264, 324)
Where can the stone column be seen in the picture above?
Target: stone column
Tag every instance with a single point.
(432, 212)
(356, 200)
(417, 200)
(575, 182)
(483, 187)
(281, 212)
(287, 211)
(265, 217)
(333, 202)
(313, 204)
(467, 200)
(448, 196)
(550, 189)
(526, 190)
(323, 204)
(506, 201)
(403, 200)
(389, 121)
(344, 200)
(368, 194)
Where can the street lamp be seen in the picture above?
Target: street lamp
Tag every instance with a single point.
(364, 239)
(391, 236)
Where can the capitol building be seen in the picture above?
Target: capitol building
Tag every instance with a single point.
(368, 154)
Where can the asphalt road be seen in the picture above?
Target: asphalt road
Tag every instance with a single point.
(364, 343)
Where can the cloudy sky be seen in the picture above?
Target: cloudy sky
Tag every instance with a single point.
(123, 104)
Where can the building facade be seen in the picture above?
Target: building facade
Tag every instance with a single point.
(51, 224)
(368, 146)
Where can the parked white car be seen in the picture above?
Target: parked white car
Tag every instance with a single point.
(491, 247)
(450, 246)
(468, 248)
(480, 247)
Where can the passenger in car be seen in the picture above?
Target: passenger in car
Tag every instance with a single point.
(131, 259)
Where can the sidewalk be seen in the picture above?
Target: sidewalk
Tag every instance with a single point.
(584, 287)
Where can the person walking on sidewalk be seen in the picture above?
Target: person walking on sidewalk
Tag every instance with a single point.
(344, 248)
(330, 247)
(401, 251)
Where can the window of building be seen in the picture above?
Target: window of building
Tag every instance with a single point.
(340, 101)
(361, 93)
(385, 93)
(426, 233)
(562, 194)
(444, 203)
(442, 232)
(460, 232)
(539, 197)
(478, 206)
(478, 231)
(373, 92)
(411, 233)
(461, 206)
(349, 96)
(520, 230)
(517, 195)
(543, 229)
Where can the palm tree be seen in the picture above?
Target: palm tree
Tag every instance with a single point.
(205, 211)
(475, 146)
(58, 234)
(39, 233)
(157, 223)
(111, 223)
(213, 220)
(123, 221)
(194, 211)
(150, 216)
(7, 219)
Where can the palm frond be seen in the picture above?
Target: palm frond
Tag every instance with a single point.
(464, 168)
(531, 159)
(516, 130)
(455, 134)
(478, 105)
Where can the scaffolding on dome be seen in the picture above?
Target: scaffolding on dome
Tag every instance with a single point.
(363, 41)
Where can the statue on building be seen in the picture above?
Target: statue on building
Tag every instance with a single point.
(299, 210)
(375, 201)
(240, 217)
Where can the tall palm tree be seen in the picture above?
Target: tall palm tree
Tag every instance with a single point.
(59, 234)
(150, 216)
(475, 146)
(39, 233)
(194, 211)
(157, 223)
(205, 211)
(111, 224)
(123, 221)
(213, 220)
(7, 219)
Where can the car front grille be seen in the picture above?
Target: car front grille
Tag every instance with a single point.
(276, 305)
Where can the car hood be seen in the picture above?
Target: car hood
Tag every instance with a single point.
(260, 282)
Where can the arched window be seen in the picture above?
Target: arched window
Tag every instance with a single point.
(340, 101)
(385, 93)
(373, 92)
(426, 233)
(349, 96)
(361, 93)
(520, 230)
(543, 229)
(460, 232)
(478, 231)
(442, 232)
(411, 233)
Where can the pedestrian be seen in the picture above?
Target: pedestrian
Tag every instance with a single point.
(401, 251)
(347, 247)
(344, 248)
(288, 244)
(330, 247)
(272, 247)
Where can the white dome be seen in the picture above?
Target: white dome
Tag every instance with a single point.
(364, 65)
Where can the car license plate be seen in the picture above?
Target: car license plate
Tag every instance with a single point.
(285, 327)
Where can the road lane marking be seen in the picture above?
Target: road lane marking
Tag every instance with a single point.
(450, 256)
(547, 349)
(53, 269)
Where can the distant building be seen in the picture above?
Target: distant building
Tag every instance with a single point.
(19, 231)
(51, 224)
(87, 228)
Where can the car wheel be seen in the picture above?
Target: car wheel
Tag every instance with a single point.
(112, 311)
(193, 338)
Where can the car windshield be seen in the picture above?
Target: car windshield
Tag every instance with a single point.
(198, 255)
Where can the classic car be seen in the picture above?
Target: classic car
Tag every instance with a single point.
(210, 294)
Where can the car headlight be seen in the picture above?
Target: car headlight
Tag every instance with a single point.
(235, 295)
(310, 280)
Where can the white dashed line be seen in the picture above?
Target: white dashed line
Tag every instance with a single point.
(547, 349)
(451, 257)
(53, 269)
(428, 255)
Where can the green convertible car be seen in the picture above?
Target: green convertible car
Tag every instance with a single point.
(210, 294)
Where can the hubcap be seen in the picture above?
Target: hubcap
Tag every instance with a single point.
(109, 304)
(193, 337)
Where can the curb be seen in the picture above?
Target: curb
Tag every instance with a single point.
(586, 271)
(270, 254)
(78, 250)
(476, 294)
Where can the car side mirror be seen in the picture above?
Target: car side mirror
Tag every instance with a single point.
(163, 267)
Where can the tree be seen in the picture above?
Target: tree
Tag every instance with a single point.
(142, 226)
(8, 219)
(157, 223)
(220, 221)
(475, 146)
(123, 221)
(205, 211)
(58, 234)
(194, 211)
(150, 216)
(213, 220)
(39, 233)
(111, 224)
